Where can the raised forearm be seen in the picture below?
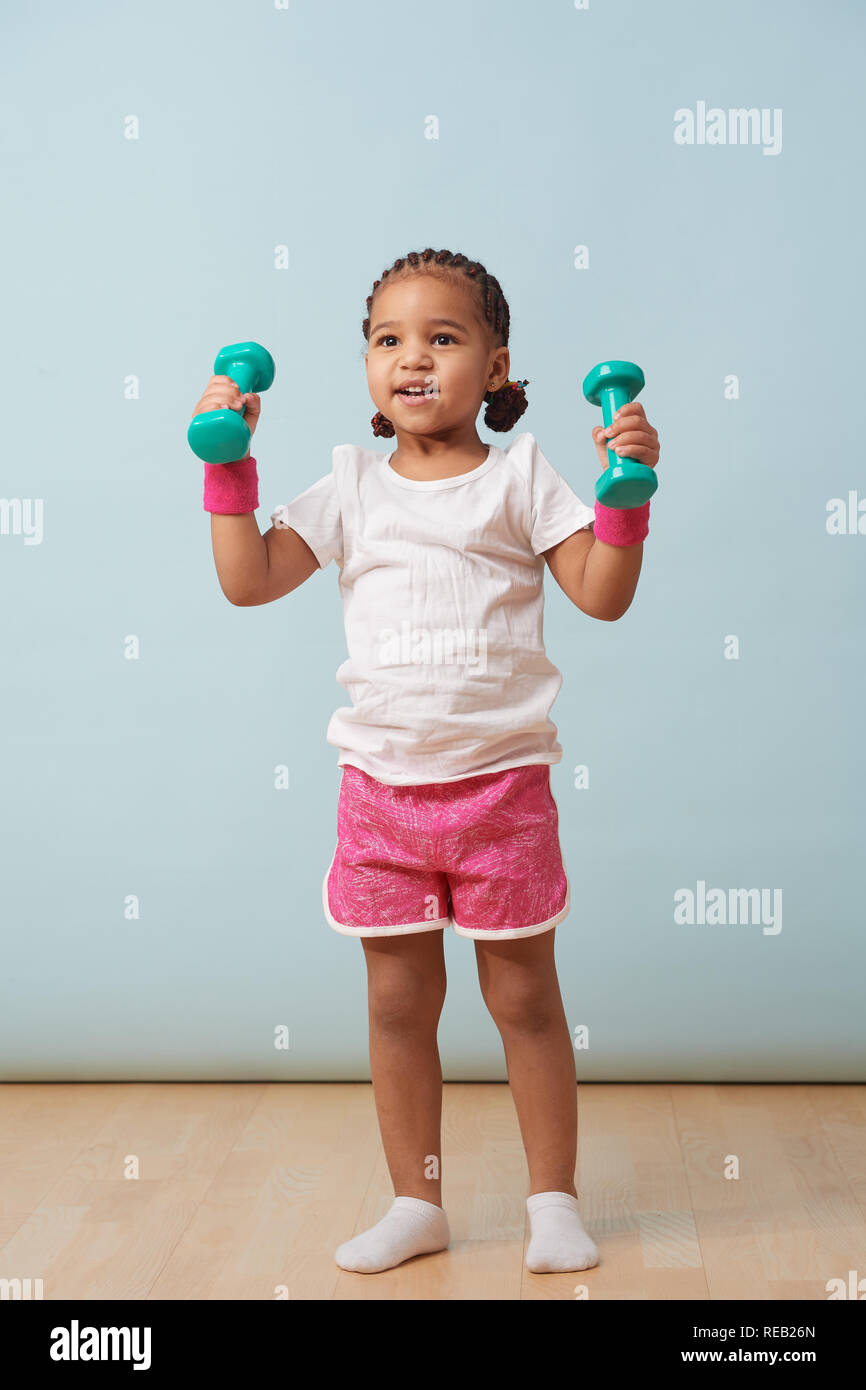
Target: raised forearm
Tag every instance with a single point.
(240, 554)
(610, 578)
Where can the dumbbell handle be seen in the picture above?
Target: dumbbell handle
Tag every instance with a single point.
(610, 399)
(243, 374)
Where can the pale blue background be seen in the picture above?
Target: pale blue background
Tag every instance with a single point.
(305, 127)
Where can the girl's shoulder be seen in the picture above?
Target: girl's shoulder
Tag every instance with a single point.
(355, 455)
(523, 448)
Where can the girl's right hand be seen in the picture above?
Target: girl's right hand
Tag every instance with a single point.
(222, 393)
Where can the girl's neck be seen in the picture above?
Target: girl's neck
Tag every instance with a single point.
(430, 471)
(443, 460)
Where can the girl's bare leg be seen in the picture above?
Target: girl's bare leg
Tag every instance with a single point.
(406, 991)
(520, 987)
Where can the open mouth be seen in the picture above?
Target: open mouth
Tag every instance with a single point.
(416, 395)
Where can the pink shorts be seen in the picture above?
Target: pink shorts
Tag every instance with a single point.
(481, 853)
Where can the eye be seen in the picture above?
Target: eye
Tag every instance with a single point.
(386, 336)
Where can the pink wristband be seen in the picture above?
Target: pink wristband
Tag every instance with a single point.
(231, 488)
(621, 525)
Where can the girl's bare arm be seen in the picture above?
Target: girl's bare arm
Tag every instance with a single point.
(253, 568)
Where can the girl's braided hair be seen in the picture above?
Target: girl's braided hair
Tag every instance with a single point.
(505, 405)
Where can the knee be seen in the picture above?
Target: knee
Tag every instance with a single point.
(526, 1008)
(404, 1001)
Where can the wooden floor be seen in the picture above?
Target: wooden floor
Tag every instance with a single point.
(244, 1191)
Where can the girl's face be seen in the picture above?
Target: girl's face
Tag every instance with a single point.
(425, 332)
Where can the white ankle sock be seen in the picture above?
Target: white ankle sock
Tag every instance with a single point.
(558, 1240)
(411, 1227)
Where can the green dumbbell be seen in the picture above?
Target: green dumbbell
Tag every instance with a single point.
(624, 483)
(223, 436)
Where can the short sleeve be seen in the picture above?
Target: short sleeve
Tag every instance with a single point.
(555, 508)
(315, 515)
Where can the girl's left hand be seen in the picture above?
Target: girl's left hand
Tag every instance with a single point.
(632, 434)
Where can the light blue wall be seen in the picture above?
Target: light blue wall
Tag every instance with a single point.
(128, 263)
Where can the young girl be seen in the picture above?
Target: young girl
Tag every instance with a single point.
(445, 812)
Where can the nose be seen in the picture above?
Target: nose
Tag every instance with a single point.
(416, 359)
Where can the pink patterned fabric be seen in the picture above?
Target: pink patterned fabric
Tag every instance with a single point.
(480, 852)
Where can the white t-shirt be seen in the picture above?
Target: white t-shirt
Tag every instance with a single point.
(443, 598)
